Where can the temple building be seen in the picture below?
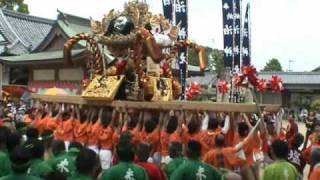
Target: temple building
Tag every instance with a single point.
(32, 51)
(300, 89)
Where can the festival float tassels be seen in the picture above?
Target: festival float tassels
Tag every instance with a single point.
(223, 87)
(238, 80)
(248, 78)
(276, 84)
(262, 85)
(250, 73)
(193, 91)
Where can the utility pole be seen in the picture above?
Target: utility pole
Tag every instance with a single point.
(289, 64)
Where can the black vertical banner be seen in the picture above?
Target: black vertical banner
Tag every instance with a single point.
(168, 9)
(227, 11)
(181, 16)
(246, 57)
(237, 34)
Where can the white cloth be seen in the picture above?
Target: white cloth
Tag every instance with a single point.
(157, 158)
(105, 158)
(150, 160)
(162, 39)
(165, 160)
(205, 121)
(226, 126)
(66, 144)
(24, 138)
(94, 148)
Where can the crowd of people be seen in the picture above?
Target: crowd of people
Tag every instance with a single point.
(66, 141)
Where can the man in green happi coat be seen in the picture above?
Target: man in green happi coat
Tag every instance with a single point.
(87, 165)
(175, 152)
(62, 161)
(280, 169)
(194, 169)
(20, 163)
(125, 170)
(38, 167)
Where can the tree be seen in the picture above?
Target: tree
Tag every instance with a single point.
(192, 57)
(15, 5)
(315, 105)
(273, 65)
(215, 59)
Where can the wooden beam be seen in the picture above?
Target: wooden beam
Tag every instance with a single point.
(169, 105)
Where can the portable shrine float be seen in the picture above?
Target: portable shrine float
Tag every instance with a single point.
(132, 52)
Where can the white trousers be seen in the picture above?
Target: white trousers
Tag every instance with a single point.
(165, 159)
(66, 144)
(105, 158)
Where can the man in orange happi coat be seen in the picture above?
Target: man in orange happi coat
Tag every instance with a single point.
(233, 157)
(80, 125)
(64, 130)
(170, 132)
(106, 138)
(93, 130)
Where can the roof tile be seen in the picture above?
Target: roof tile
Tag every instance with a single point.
(294, 77)
(28, 30)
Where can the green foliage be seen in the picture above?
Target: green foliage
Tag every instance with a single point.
(215, 59)
(192, 57)
(15, 5)
(315, 105)
(273, 65)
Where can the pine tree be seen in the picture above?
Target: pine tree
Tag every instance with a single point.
(273, 65)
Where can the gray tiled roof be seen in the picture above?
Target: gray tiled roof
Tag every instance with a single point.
(24, 32)
(208, 79)
(76, 23)
(294, 77)
(316, 69)
(70, 25)
(289, 78)
(193, 68)
(40, 56)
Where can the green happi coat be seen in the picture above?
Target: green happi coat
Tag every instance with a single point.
(280, 170)
(19, 177)
(125, 171)
(195, 170)
(63, 163)
(173, 165)
(5, 165)
(39, 168)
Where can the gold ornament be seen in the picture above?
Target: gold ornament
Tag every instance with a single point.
(103, 88)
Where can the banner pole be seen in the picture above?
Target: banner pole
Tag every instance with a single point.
(233, 43)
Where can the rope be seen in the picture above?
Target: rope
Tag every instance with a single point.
(97, 56)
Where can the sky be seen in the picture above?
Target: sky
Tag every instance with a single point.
(282, 29)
